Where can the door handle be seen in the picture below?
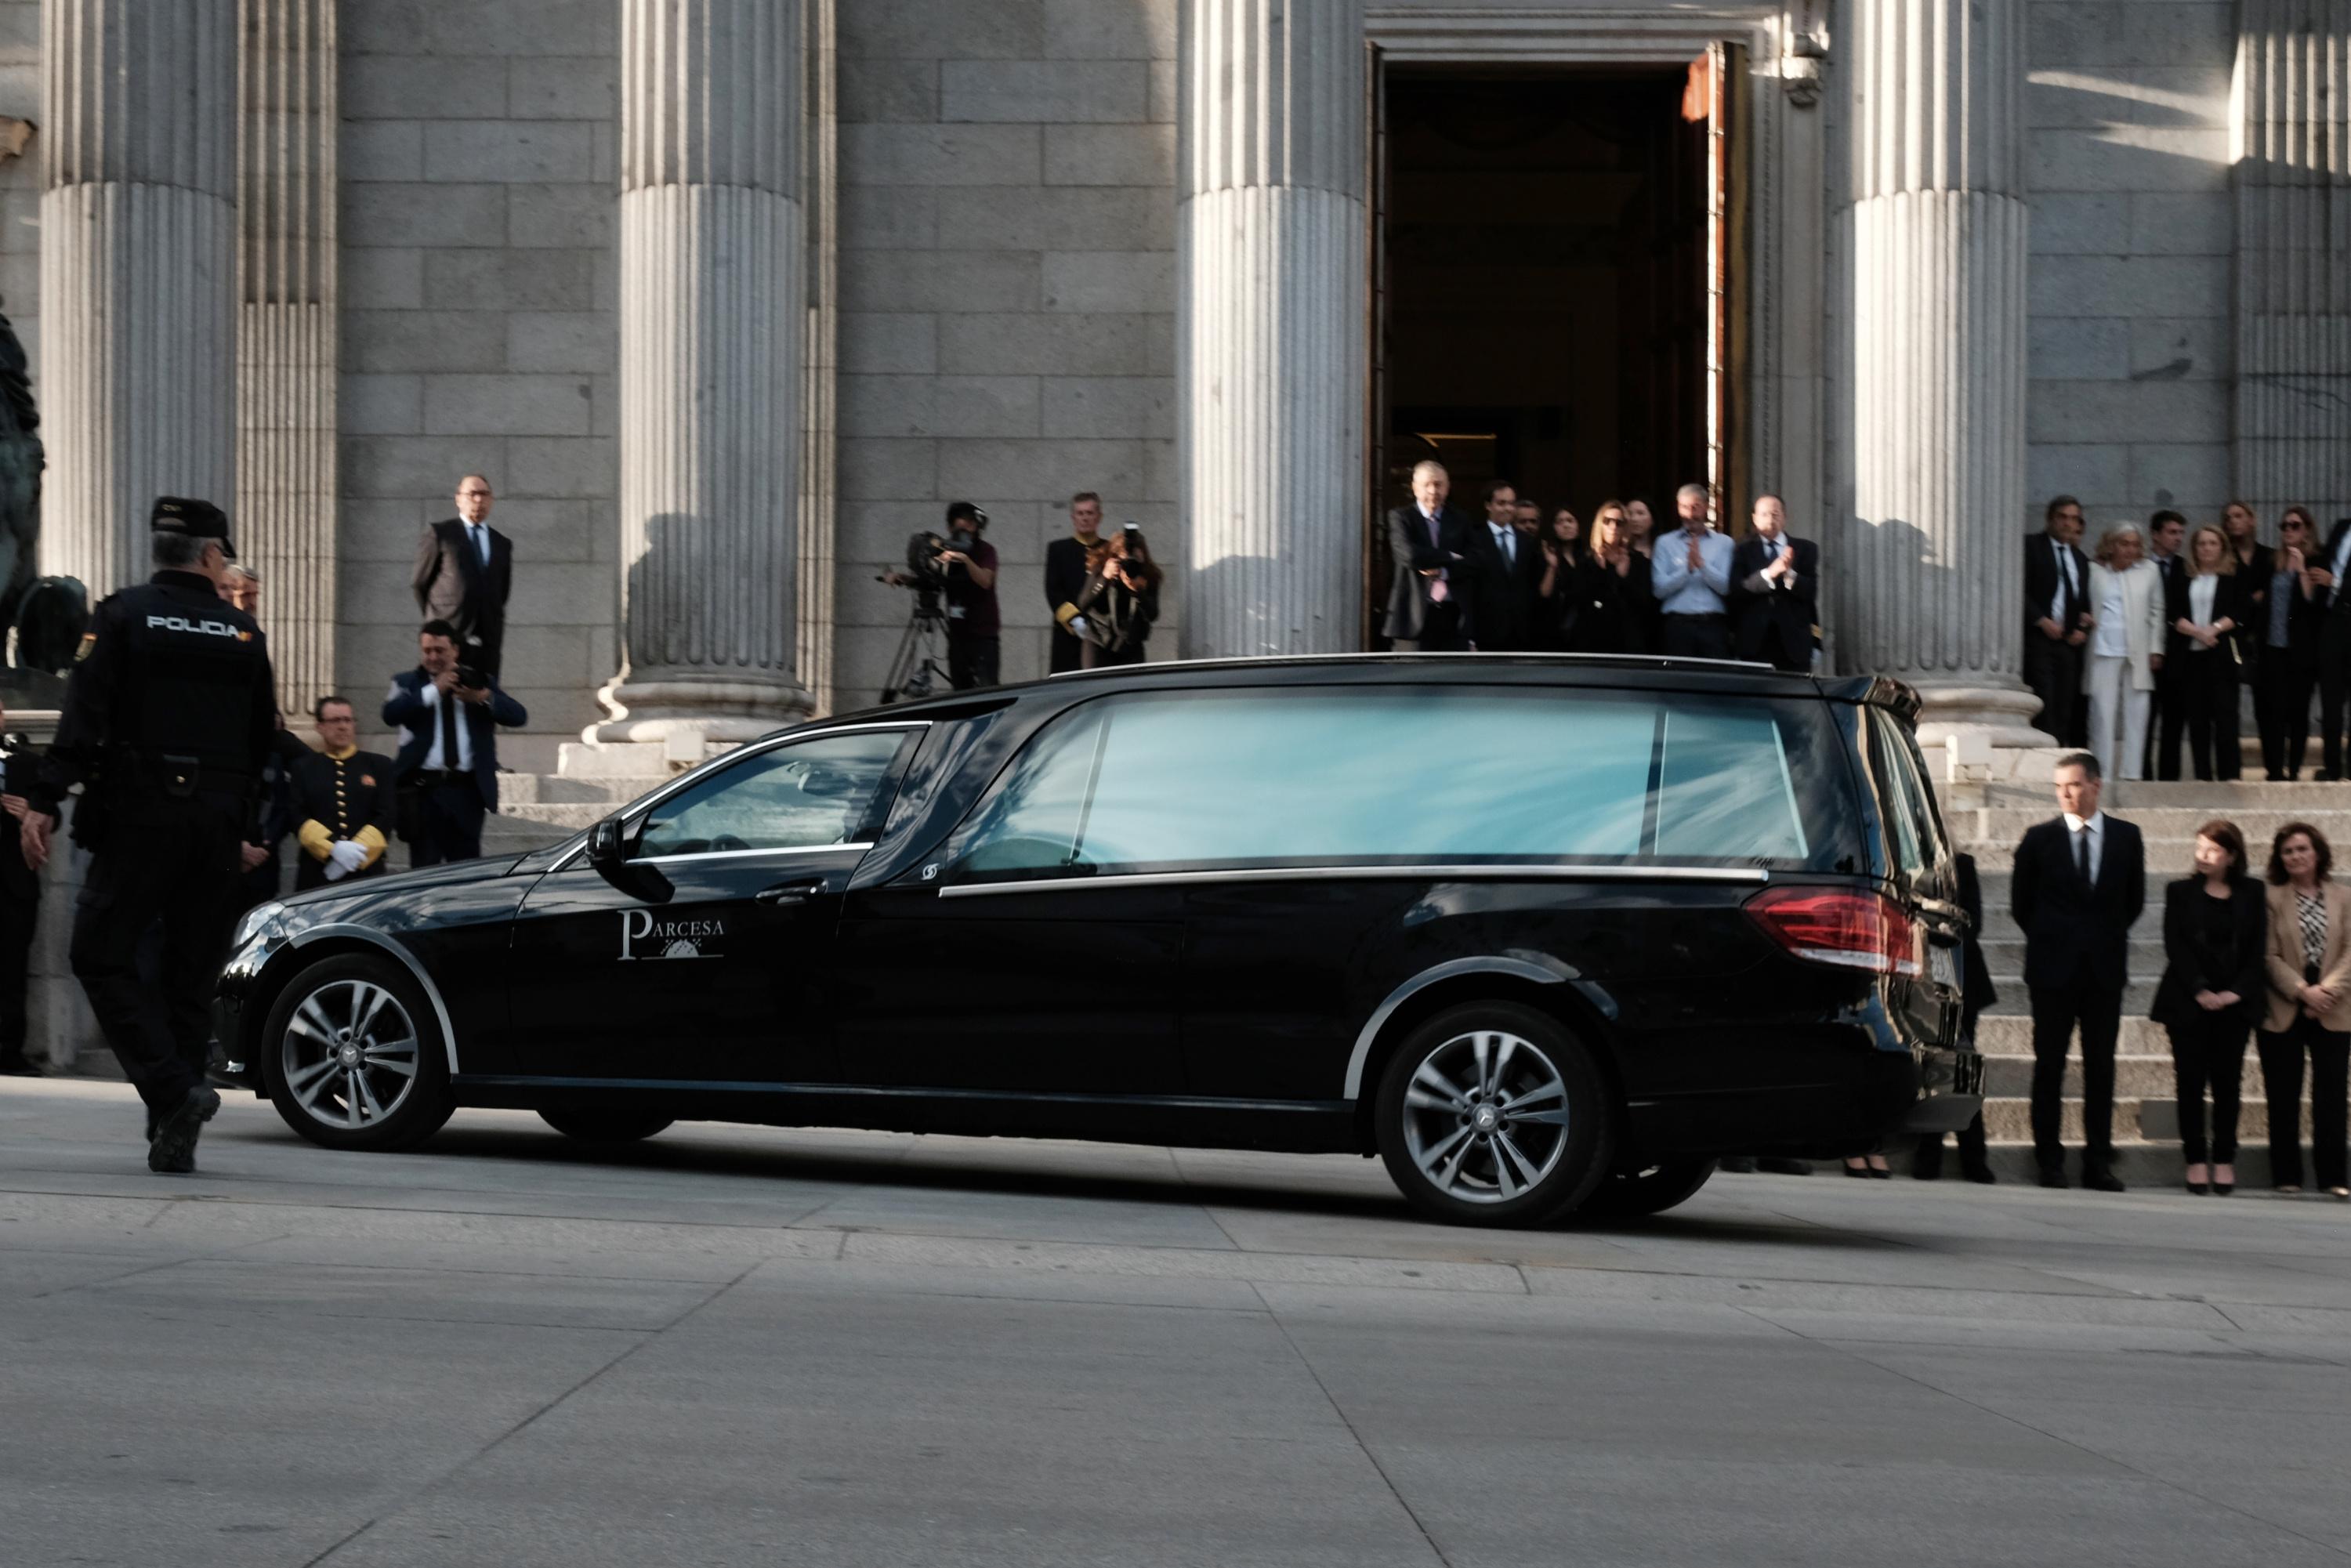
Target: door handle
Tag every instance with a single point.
(790, 892)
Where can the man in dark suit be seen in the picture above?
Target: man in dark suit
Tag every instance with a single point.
(2057, 618)
(2333, 579)
(1775, 591)
(343, 799)
(1066, 574)
(1429, 543)
(448, 759)
(1505, 577)
(2167, 719)
(20, 906)
(465, 570)
(2079, 883)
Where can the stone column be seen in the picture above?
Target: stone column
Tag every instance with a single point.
(1928, 583)
(138, 273)
(285, 508)
(713, 305)
(2290, 145)
(1271, 330)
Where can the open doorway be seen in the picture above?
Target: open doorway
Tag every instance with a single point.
(1549, 283)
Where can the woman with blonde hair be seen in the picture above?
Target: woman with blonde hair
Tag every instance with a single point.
(2125, 649)
(2204, 608)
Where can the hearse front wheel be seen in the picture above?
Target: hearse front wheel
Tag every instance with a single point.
(355, 1057)
(1491, 1114)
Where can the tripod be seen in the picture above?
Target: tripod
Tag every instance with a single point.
(919, 667)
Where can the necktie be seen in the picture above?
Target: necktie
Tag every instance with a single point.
(450, 732)
(2082, 851)
(481, 537)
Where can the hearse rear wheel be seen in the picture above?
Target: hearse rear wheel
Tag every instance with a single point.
(1650, 1189)
(1493, 1113)
(593, 1124)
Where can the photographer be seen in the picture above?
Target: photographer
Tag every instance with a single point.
(974, 627)
(447, 769)
(1119, 602)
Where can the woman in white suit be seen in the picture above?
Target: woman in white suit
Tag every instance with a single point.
(2125, 648)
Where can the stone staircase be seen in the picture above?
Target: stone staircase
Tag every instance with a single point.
(536, 809)
(1987, 821)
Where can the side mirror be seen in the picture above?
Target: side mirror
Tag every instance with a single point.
(608, 855)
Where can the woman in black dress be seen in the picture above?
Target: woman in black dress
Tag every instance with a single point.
(2215, 944)
(1616, 609)
(2204, 610)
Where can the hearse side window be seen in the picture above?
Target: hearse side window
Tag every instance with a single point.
(1315, 776)
(804, 795)
(1908, 805)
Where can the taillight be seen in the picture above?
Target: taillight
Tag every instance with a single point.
(1842, 926)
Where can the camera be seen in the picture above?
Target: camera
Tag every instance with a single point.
(473, 678)
(922, 563)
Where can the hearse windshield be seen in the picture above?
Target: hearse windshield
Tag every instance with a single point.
(1354, 776)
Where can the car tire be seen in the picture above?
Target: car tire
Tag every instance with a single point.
(603, 1124)
(354, 1056)
(1651, 1189)
(1493, 1113)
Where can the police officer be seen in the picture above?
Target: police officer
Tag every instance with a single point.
(168, 719)
(343, 798)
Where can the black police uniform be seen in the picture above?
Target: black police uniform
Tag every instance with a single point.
(168, 717)
(349, 796)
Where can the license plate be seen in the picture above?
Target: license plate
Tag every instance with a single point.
(1943, 965)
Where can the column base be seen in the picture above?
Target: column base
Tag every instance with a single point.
(2001, 715)
(679, 710)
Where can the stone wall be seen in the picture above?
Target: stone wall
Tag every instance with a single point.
(2128, 172)
(479, 329)
(1008, 294)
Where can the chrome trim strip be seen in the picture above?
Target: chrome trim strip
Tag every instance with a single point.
(746, 854)
(1520, 967)
(1571, 660)
(753, 748)
(1450, 872)
(310, 934)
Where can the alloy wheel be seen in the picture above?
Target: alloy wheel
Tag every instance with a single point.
(1486, 1117)
(350, 1054)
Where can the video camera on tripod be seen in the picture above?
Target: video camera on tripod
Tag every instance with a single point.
(920, 665)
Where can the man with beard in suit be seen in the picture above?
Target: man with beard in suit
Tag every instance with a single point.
(465, 570)
(1505, 577)
(1429, 542)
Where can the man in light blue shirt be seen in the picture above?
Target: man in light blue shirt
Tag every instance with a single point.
(1691, 574)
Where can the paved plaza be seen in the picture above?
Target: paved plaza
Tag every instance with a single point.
(738, 1345)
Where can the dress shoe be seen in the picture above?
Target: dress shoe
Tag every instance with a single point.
(2222, 1184)
(1853, 1170)
(2053, 1175)
(17, 1067)
(1979, 1174)
(2199, 1188)
(2101, 1179)
(173, 1151)
(2197, 1184)
(2340, 1194)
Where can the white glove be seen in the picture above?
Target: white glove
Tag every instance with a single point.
(350, 854)
(1077, 625)
(334, 870)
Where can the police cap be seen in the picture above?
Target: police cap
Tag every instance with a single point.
(192, 520)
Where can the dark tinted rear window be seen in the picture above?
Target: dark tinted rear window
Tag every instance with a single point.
(1272, 776)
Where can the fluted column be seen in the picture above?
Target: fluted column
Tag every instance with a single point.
(713, 302)
(286, 336)
(2291, 151)
(1929, 589)
(138, 273)
(1270, 324)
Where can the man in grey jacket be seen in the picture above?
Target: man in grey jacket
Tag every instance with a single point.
(465, 570)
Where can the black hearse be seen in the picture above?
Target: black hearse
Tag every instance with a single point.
(1543, 933)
